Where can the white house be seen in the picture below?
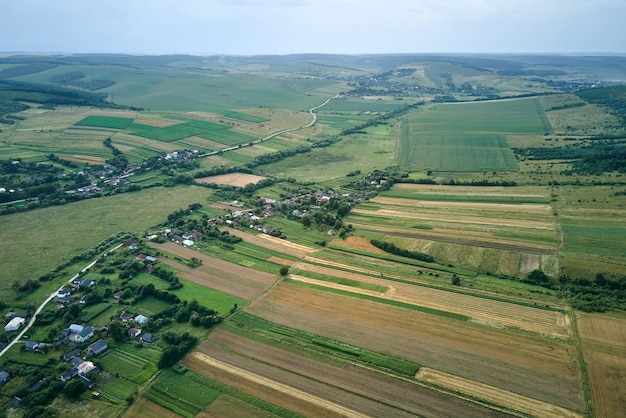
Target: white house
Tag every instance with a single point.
(82, 336)
(14, 324)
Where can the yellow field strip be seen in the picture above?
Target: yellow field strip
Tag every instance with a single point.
(522, 207)
(495, 395)
(260, 380)
(286, 243)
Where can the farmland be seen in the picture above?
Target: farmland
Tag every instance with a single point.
(428, 246)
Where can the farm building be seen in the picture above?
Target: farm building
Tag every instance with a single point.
(97, 347)
(140, 319)
(4, 377)
(14, 324)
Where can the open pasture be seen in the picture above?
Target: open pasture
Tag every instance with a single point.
(532, 366)
(58, 233)
(603, 344)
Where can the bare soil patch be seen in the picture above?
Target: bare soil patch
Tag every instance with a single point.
(232, 179)
(217, 274)
(603, 342)
(495, 395)
(534, 367)
(273, 243)
(282, 261)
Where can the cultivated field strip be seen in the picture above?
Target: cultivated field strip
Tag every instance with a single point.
(357, 388)
(486, 311)
(495, 395)
(499, 207)
(532, 366)
(217, 274)
(603, 343)
(273, 243)
(457, 219)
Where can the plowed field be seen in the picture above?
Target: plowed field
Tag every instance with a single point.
(354, 388)
(603, 341)
(534, 367)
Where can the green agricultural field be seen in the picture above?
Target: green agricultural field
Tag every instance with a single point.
(226, 137)
(210, 298)
(244, 116)
(468, 136)
(106, 122)
(362, 105)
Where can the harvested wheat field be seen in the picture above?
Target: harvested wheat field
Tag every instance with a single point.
(233, 279)
(232, 179)
(495, 395)
(145, 408)
(483, 310)
(356, 389)
(535, 367)
(357, 243)
(603, 342)
(273, 243)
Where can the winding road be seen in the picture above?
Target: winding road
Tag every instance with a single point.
(258, 141)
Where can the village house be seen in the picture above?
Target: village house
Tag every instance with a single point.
(14, 324)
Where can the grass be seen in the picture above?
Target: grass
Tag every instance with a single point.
(56, 234)
(210, 298)
(445, 197)
(106, 122)
(244, 116)
(181, 393)
(129, 366)
(118, 389)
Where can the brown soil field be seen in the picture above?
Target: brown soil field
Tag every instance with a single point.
(273, 391)
(226, 407)
(273, 243)
(494, 395)
(232, 179)
(217, 274)
(217, 160)
(86, 159)
(603, 343)
(358, 243)
(486, 311)
(536, 367)
(282, 261)
(525, 207)
(146, 408)
(377, 394)
(473, 190)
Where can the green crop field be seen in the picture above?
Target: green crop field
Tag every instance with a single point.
(226, 137)
(456, 153)
(468, 136)
(244, 116)
(213, 299)
(105, 122)
(361, 105)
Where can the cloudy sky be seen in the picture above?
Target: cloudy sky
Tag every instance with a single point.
(249, 27)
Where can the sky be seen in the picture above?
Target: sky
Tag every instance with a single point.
(260, 27)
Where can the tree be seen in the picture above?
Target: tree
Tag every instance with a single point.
(73, 389)
(117, 331)
(456, 280)
(284, 270)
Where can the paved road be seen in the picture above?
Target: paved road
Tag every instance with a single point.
(45, 302)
